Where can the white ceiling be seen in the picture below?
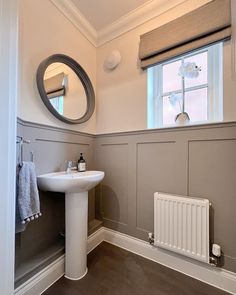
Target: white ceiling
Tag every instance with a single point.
(102, 13)
(103, 20)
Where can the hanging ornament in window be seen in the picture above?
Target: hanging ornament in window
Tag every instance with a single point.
(175, 99)
(186, 70)
(189, 70)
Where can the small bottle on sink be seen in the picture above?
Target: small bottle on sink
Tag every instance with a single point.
(81, 163)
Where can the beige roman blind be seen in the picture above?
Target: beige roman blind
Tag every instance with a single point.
(54, 86)
(203, 26)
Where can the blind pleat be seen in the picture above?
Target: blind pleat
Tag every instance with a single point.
(206, 25)
(60, 92)
(54, 86)
(178, 51)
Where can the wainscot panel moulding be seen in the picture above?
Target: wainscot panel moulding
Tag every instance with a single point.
(52, 128)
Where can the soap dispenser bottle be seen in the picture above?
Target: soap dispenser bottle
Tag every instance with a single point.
(81, 163)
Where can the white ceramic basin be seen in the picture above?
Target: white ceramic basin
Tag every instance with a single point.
(75, 185)
(74, 182)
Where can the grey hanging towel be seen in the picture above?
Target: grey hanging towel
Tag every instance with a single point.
(27, 194)
(19, 226)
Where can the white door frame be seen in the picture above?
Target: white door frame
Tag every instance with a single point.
(8, 99)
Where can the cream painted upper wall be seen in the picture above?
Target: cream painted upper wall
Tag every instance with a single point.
(121, 101)
(122, 93)
(45, 31)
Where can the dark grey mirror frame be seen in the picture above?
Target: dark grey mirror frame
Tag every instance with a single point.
(80, 72)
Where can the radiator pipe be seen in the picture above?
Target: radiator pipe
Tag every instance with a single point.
(151, 238)
(213, 261)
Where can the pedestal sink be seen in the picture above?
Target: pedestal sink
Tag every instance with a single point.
(75, 185)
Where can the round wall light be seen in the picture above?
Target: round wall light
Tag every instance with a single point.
(112, 60)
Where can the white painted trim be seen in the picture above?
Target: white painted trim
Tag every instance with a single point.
(216, 277)
(215, 82)
(8, 86)
(43, 279)
(53, 272)
(135, 18)
(233, 40)
(214, 85)
(95, 239)
(72, 13)
(131, 20)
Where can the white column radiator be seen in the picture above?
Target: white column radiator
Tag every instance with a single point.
(181, 224)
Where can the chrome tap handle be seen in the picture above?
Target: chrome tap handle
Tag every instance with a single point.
(69, 164)
(70, 167)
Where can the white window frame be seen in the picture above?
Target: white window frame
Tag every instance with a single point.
(214, 85)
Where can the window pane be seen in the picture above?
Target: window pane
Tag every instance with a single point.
(196, 104)
(201, 61)
(171, 78)
(57, 103)
(171, 109)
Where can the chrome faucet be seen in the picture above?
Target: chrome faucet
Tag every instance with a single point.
(70, 167)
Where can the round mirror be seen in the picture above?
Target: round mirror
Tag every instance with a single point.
(65, 89)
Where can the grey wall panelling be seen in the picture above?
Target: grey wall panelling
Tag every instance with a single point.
(198, 161)
(113, 158)
(194, 160)
(212, 173)
(51, 148)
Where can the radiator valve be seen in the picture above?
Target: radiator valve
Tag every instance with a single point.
(215, 258)
(151, 238)
(216, 250)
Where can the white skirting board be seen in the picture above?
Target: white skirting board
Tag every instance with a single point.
(216, 277)
(43, 279)
(53, 272)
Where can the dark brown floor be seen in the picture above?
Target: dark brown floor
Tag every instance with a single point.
(114, 271)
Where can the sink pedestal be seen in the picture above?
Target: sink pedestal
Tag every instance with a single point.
(76, 186)
(76, 235)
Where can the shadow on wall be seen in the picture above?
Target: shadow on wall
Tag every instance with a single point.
(211, 225)
(221, 261)
(98, 202)
(109, 204)
(44, 231)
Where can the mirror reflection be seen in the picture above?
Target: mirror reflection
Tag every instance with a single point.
(65, 91)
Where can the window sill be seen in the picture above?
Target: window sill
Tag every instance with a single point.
(209, 125)
(200, 123)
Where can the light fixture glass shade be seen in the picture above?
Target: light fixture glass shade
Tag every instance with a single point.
(112, 60)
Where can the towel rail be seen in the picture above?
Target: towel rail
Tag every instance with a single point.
(21, 141)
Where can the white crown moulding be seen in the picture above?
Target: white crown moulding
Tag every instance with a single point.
(72, 13)
(131, 20)
(135, 18)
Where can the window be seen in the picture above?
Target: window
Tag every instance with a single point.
(58, 104)
(191, 84)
